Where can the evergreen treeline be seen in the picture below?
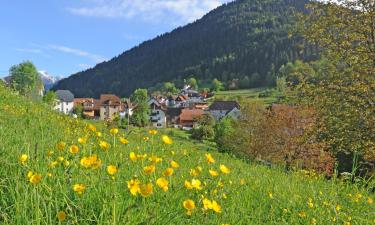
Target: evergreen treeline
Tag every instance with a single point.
(241, 43)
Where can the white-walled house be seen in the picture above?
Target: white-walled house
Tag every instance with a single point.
(221, 109)
(158, 116)
(65, 101)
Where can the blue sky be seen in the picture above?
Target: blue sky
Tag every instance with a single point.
(66, 36)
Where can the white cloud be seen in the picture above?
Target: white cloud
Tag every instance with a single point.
(151, 10)
(77, 52)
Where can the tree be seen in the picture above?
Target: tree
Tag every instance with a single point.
(193, 83)
(141, 114)
(25, 77)
(169, 88)
(217, 85)
(78, 110)
(50, 98)
(341, 86)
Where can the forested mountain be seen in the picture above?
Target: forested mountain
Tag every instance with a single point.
(241, 43)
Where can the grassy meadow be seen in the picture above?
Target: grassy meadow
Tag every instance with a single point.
(58, 170)
(249, 95)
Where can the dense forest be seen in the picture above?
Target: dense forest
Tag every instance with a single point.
(242, 43)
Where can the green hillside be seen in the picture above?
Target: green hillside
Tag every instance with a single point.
(54, 180)
(244, 42)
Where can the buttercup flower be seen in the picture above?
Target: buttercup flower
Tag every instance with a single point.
(124, 141)
(113, 131)
(167, 140)
(74, 149)
(168, 172)
(149, 169)
(82, 140)
(145, 190)
(213, 173)
(133, 156)
(23, 158)
(189, 205)
(61, 216)
(174, 164)
(35, 178)
(216, 207)
(162, 183)
(104, 145)
(133, 186)
(152, 132)
(61, 145)
(112, 170)
(224, 169)
(209, 158)
(79, 188)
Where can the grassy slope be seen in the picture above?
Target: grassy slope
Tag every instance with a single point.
(32, 129)
(247, 95)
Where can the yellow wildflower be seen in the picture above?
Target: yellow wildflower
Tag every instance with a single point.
(149, 169)
(61, 145)
(207, 204)
(91, 127)
(99, 134)
(155, 159)
(302, 214)
(124, 141)
(242, 181)
(167, 140)
(370, 200)
(23, 158)
(174, 164)
(60, 158)
(146, 139)
(141, 157)
(61, 216)
(29, 174)
(82, 140)
(79, 188)
(216, 207)
(168, 172)
(35, 178)
(338, 207)
(74, 149)
(188, 185)
(104, 145)
(133, 186)
(152, 132)
(224, 169)
(112, 170)
(133, 156)
(209, 158)
(189, 205)
(162, 183)
(113, 131)
(195, 183)
(270, 194)
(213, 173)
(145, 190)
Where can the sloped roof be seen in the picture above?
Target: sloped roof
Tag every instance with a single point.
(83, 100)
(190, 114)
(224, 105)
(65, 95)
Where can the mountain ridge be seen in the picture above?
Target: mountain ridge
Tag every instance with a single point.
(245, 40)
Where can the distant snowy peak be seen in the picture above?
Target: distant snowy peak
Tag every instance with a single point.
(48, 80)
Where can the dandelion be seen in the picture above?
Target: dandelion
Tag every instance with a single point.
(124, 141)
(152, 132)
(133, 186)
(112, 170)
(61, 145)
(35, 178)
(209, 158)
(213, 173)
(133, 156)
(189, 205)
(149, 169)
(146, 190)
(167, 140)
(224, 169)
(74, 149)
(113, 131)
(168, 172)
(61, 216)
(174, 164)
(207, 204)
(104, 145)
(79, 188)
(216, 207)
(162, 183)
(23, 158)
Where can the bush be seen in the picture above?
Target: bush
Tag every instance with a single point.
(203, 133)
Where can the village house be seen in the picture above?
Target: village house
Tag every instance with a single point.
(158, 112)
(173, 117)
(64, 101)
(127, 109)
(110, 106)
(221, 109)
(188, 118)
(87, 106)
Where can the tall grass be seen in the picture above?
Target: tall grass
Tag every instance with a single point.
(249, 194)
